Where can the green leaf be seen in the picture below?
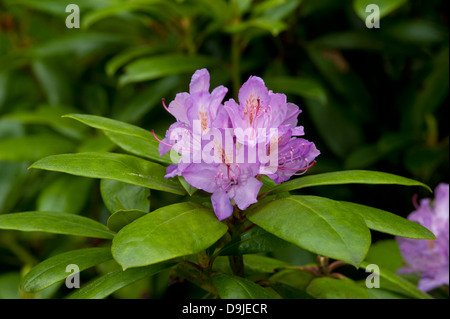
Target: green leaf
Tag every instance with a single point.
(13, 177)
(275, 9)
(67, 194)
(105, 285)
(9, 283)
(151, 68)
(122, 218)
(295, 278)
(289, 292)
(168, 232)
(402, 283)
(53, 222)
(121, 9)
(385, 253)
(346, 177)
(188, 187)
(301, 86)
(33, 147)
(331, 288)
(274, 26)
(379, 293)
(121, 196)
(54, 82)
(389, 223)
(51, 116)
(53, 269)
(130, 137)
(233, 287)
(139, 147)
(118, 167)
(78, 44)
(317, 224)
(130, 54)
(261, 264)
(432, 92)
(256, 240)
(385, 6)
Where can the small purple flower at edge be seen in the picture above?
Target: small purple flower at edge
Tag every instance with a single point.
(229, 179)
(429, 258)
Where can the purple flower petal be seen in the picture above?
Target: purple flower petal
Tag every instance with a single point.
(429, 258)
(246, 192)
(199, 81)
(221, 204)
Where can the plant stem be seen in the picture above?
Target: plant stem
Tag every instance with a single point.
(236, 261)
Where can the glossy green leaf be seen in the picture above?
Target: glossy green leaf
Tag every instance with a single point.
(389, 223)
(97, 143)
(317, 224)
(33, 147)
(121, 196)
(139, 147)
(151, 68)
(53, 222)
(379, 293)
(168, 232)
(385, 6)
(122, 218)
(118, 167)
(346, 177)
(105, 285)
(331, 288)
(130, 137)
(67, 194)
(402, 283)
(233, 287)
(255, 240)
(53, 269)
(188, 187)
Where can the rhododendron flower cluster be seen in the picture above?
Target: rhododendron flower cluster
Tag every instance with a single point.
(224, 147)
(429, 258)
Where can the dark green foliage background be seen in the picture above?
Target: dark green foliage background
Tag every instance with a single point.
(373, 99)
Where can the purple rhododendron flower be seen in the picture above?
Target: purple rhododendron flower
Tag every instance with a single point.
(429, 258)
(224, 148)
